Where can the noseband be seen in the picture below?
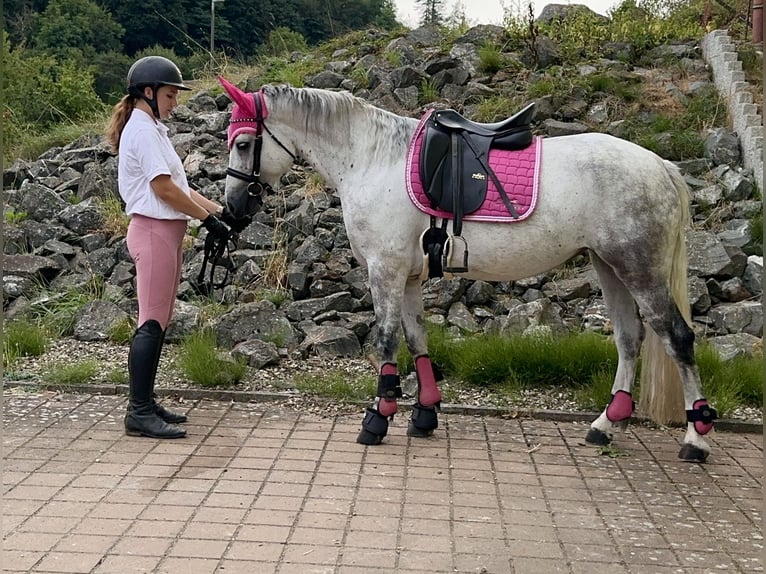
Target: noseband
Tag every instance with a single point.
(256, 187)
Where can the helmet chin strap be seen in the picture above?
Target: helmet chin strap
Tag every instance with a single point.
(151, 101)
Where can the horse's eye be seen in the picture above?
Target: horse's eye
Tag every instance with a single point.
(243, 145)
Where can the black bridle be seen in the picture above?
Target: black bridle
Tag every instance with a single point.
(256, 187)
(217, 249)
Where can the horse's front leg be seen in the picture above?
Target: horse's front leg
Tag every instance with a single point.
(628, 337)
(387, 288)
(424, 418)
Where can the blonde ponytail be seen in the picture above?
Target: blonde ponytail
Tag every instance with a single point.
(120, 115)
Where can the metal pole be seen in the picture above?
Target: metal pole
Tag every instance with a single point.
(757, 22)
(212, 32)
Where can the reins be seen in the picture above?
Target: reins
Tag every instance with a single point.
(214, 250)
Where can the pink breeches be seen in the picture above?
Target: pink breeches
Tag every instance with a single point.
(156, 248)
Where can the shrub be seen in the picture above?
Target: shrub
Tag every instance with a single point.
(283, 41)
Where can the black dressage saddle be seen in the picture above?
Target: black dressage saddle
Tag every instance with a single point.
(455, 172)
(454, 160)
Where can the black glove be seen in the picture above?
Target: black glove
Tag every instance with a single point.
(216, 228)
(237, 224)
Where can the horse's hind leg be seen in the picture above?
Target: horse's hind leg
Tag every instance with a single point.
(387, 289)
(667, 322)
(628, 336)
(424, 418)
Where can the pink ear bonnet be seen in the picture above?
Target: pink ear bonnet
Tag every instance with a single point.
(243, 114)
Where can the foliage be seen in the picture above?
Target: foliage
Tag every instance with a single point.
(71, 373)
(598, 393)
(200, 361)
(46, 91)
(280, 70)
(282, 41)
(23, 339)
(76, 30)
(117, 376)
(496, 108)
(676, 134)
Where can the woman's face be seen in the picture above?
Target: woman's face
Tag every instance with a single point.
(167, 100)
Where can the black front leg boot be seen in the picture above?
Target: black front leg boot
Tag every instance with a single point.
(423, 421)
(142, 418)
(374, 428)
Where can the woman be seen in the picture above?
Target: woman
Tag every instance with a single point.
(159, 202)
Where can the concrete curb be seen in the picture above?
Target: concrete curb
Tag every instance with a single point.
(730, 425)
(721, 54)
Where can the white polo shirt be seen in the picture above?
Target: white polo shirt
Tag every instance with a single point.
(145, 153)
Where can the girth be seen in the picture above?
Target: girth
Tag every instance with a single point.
(454, 164)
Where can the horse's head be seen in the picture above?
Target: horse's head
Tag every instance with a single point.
(255, 163)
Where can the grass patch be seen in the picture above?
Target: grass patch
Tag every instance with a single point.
(585, 362)
(337, 385)
(14, 217)
(122, 331)
(31, 141)
(728, 384)
(429, 91)
(200, 361)
(23, 339)
(117, 376)
(496, 108)
(59, 310)
(78, 373)
(491, 59)
(115, 220)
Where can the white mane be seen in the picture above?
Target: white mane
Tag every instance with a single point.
(340, 118)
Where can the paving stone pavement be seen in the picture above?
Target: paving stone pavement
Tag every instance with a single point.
(258, 488)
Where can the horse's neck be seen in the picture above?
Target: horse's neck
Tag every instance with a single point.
(338, 149)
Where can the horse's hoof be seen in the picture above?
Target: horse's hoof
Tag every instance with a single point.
(369, 438)
(691, 453)
(414, 431)
(597, 437)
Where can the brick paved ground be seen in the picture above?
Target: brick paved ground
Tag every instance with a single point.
(257, 489)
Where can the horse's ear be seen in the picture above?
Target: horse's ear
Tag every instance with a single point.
(238, 96)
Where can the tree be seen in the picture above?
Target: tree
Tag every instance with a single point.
(432, 12)
(76, 29)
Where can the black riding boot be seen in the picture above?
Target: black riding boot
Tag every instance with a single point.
(165, 414)
(141, 418)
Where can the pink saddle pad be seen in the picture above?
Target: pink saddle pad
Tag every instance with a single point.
(518, 171)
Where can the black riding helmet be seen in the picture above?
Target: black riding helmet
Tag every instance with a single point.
(153, 71)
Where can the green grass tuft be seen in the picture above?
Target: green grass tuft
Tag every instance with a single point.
(23, 339)
(337, 385)
(201, 362)
(71, 373)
